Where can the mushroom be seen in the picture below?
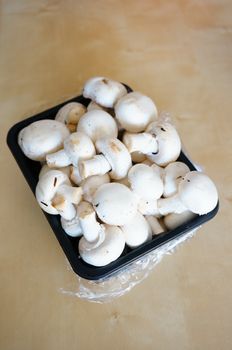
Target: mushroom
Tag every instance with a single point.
(135, 111)
(145, 181)
(115, 204)
(161, 143)
(91, 228)
(173, 220)
(196, 193)
(42, 137)
(137, 231)
(172, 176)
(70, 114)
(91, 184)
(55, 194)
(114, 158)
(98, 124)
(155, 225)
(72, 227)
(106, 251)
(147, 184)
(103, 91)
(77, 146)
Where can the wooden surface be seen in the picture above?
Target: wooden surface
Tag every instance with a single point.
(180, 54)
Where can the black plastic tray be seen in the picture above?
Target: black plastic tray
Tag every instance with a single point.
(30, 170)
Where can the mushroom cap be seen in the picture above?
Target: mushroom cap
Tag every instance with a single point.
(42, 137)
(198, 193)
(135, 111)
(103, 91)
(91, 184)
(115, 203)
(98, 124)
(145, 181)
(117, 155)
(172, 176)
(79, 146)
(70, 114)
(46, 189)
(45, 168)
(71, 227)
(106, 252)
(137, 231)
(169, 144)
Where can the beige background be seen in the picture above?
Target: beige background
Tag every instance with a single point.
(179, 53)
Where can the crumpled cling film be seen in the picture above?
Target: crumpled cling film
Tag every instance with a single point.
(108, 288)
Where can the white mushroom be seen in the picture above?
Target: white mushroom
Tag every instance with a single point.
(155, 225)
(98, 124)
(115, 204)
(137, 231)
(173, 220)
(172, 176)
(196, 193)
(77, 146)
(168, 140)
(107, 251)
(55, 194)
(70, 114)
(91, 228)
(114, 159)
(72, 227)
(104, 91)
(161, 142)
(42, 137)
(147, 184)
(91, 184)
(135, 111)
(145, 181)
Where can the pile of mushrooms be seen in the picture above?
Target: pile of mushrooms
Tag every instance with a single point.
(114, 192)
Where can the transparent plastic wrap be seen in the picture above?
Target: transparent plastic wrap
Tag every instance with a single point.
(119, 283)
(108, 288)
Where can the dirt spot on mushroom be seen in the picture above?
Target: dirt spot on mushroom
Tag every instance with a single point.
(75, 141)
(114, 147)
(105, 81)
(55, 181)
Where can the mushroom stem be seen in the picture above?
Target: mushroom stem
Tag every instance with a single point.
(154, 225)
(98, 165)
(75, 175)
(90, 227)
(71, 194)
(66, 209)
(58, 159)
(143, 142)
(170, 205)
